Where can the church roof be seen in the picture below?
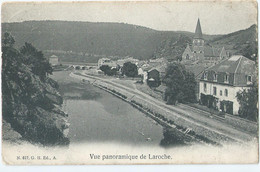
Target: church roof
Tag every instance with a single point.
(212, 51)
(198, 32)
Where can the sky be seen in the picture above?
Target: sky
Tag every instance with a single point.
(215, 17)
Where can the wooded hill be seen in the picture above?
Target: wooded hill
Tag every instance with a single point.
(118, 39)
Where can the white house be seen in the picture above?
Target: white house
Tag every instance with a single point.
(54, 60)
(106, 61)
(220, 83)
(140, 71)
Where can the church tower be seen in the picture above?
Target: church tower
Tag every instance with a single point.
(198, 43)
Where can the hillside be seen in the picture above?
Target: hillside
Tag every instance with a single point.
(87, 41)
(111, 39)
(31, 102)
(240, 42)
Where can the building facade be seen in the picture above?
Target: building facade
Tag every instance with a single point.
(220, 83)
(54, 60)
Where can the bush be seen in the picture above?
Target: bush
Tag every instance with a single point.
(129, 69)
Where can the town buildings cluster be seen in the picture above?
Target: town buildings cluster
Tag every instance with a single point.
(219, 76)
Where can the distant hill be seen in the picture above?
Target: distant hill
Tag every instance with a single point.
(241, 42)
(89, 41)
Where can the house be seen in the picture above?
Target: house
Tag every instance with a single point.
(199, 51)
(140, 71)
(219, 84)
(153, 78)
(54, 60)
(106, 61)
(162, 70)
(197, 70)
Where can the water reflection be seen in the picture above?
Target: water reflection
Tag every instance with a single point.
(97, 116)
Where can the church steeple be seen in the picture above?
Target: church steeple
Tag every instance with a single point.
(198, 32)
(198, 43)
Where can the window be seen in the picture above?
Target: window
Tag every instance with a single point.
(205, 87)
(215, 91)
(220, 93)
(215, 77)
(226, 78)
(249, 78)
(187, 57)
(226, 92)
(205, 76)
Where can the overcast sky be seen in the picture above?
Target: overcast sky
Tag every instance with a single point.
(215, 17)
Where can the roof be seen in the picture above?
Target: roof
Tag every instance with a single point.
(153, 69)
(53, 56)
(235, 64)
(161, 68)
(197, 69)
(198, 32)
(212, 51)
(147, 68)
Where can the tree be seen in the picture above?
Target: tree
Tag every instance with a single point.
(248, 100)
(105, 68)
(36, 60)
(180, 84)
(108, 70)
(11, 57)
(8, 40)
(113, 71)
(189, 87)
(129, 69)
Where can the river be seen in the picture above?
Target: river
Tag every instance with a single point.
(97, 116)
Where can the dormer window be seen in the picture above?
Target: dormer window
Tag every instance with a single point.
(215, 77)
(205, 76)
(226, 78)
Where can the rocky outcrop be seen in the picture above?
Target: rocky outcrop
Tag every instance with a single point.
(32, 106)
(9, 134)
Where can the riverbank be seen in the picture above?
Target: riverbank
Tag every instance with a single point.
(97, 116)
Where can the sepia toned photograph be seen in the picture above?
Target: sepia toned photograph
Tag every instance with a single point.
(129, 82)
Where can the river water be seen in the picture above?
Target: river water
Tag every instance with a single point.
(97, 116)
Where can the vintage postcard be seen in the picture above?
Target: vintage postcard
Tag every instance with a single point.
(129, 82)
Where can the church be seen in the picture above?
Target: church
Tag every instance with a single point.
(201, 52)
